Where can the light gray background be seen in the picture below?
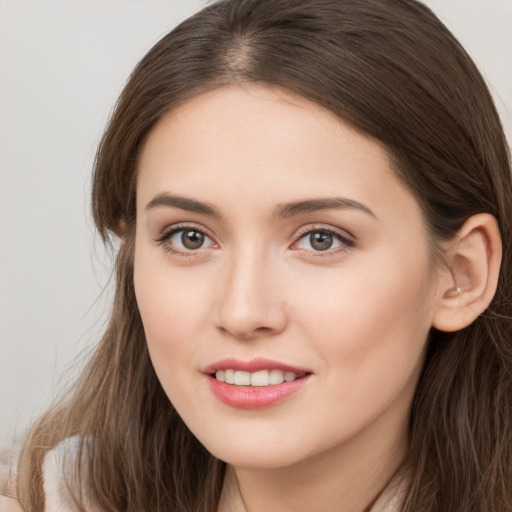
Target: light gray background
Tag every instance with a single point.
(62, 66)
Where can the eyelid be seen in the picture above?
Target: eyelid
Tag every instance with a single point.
(171, 230)
(347, 239)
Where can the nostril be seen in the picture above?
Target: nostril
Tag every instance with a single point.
(263, 329)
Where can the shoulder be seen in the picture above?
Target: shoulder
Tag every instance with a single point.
(62, 487)
(392, 498)
(60, 481)
(8, 504)
(57, 482)
(8, 501)
(58, 474)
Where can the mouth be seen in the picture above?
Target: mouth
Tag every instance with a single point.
(255, 384)
(262, 378)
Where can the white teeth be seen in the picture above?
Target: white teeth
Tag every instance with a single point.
(257, 379)
(276, 377)
(260, 378)
(242, 378)
(230, 376)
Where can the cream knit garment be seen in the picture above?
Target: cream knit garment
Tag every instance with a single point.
(59, 464)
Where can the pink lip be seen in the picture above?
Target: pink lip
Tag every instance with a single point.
(249, 397)
(255, 365)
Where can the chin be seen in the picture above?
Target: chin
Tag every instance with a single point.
(258, 452)
(257, 458)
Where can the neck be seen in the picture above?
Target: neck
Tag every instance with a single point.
(347, 478)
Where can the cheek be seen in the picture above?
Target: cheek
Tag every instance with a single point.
(168, 298)
(166, 306)
(167, 313)
(368, 322)
(174, 304)
(168, 319)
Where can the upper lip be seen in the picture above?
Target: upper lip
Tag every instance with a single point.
(254, 365)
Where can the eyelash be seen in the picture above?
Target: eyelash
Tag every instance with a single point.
(345, 242)
(167, 235)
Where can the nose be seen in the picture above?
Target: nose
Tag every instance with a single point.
(251, 305)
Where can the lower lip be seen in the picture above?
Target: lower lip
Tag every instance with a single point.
(254, 397)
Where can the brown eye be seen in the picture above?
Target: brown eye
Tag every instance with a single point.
(321, 240)
(192, 239)
(185, 241)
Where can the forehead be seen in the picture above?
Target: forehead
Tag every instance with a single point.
(263, 146)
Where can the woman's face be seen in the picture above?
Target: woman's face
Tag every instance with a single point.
(274, 242)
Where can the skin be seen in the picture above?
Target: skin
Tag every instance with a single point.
(9, 504)
(356, 316)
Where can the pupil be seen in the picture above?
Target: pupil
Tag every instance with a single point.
(321, 241)
(192, 239)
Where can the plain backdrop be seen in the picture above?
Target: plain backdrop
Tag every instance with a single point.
(62, 66)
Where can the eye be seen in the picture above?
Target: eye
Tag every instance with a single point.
(185, 240)
(322, 240)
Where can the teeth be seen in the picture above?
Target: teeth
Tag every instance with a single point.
(256, 379)
(230, 376)
(260, 378)
(276, 377)
(242, 378)
(289, 376)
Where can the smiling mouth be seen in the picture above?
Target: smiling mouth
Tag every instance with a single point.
(256, 384)
(260, 378)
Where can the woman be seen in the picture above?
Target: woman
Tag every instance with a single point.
(313, 303)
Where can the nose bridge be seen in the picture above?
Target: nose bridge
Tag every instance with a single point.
(251, 304)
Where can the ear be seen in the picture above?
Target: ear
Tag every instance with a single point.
(474, 259)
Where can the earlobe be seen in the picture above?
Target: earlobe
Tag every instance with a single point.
(474, 260)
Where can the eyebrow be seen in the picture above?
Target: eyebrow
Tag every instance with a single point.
(282, 211)
(183, 203)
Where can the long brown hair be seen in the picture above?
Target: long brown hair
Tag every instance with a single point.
(395, 73)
